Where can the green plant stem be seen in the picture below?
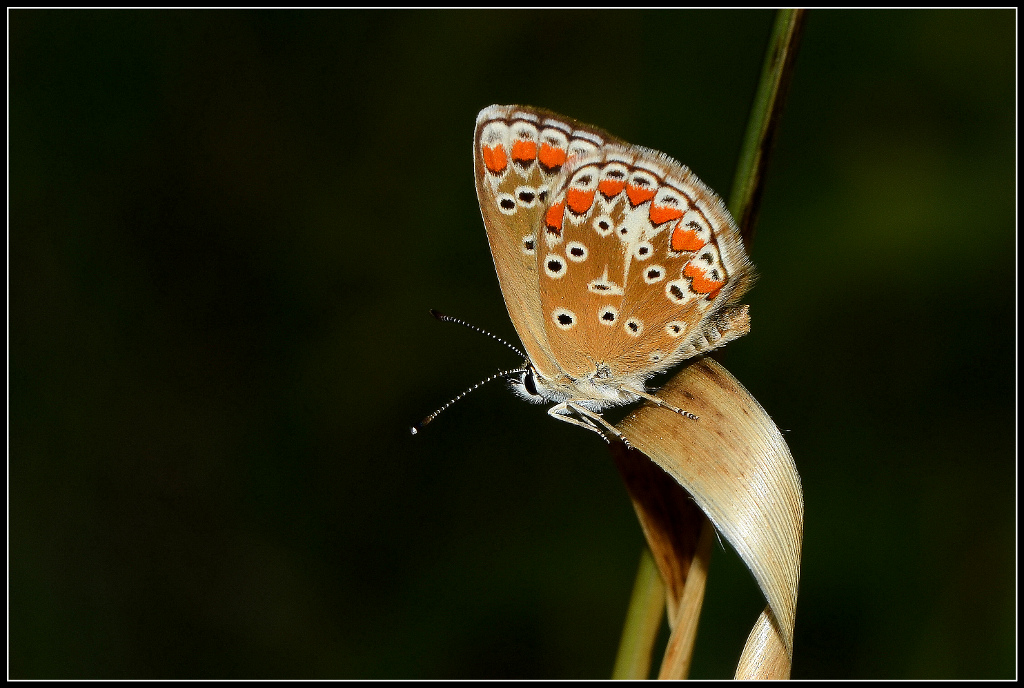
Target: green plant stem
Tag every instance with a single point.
(643, 620)
(763, 124)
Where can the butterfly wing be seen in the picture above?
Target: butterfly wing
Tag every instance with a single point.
(641, 266)
(518, 153)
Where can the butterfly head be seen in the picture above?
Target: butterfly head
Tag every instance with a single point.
(525, 385)
(596, 391)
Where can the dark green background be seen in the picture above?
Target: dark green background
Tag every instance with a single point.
(226, 229)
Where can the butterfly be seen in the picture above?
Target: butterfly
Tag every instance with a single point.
(615, 261)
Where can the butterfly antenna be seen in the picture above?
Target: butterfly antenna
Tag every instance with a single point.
(447, 318)
(505, 373)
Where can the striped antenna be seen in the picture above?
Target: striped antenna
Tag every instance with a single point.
(447, 318)
(505, 373)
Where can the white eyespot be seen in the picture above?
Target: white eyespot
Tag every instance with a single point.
(523, 131)
(634, 327)
(529, 244)
(607, 315)
(604, 287)
(614, 172)
(554, 266)
(576, 252)
(676, 328)
(554, 137)
(585, 179)
(587, 136)
(564, 319)
(644, 180)
(494, 132)
(557, 125)
(526, 196)
(506, 204)
(668, 197)
(678, 291)
(603, 225)
(578, 147)
(654, 273)
(643, 251)
(655, 356)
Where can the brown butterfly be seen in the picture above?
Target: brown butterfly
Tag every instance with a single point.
(616, 262)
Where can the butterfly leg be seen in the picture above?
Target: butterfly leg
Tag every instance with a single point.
(590, 420)
(562, 411)
(660, 402)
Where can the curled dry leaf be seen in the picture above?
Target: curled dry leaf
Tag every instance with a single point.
(764, 655)
(738, 469)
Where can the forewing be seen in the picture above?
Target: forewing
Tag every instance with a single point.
(518, 152)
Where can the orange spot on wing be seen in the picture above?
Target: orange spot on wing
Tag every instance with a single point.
(551, 157)
(553, 218)
(700, 283)
(684, 239)
(639, 194)
(662, 213)
(611, 187)
(495, 159)
(579, 201)
(523, 151)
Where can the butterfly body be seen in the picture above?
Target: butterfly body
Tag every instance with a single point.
(615, 261)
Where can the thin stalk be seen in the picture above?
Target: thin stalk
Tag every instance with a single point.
(643, 620)
(763, 124)
(679, 652)
(644, 613)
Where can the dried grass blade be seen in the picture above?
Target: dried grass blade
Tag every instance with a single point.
(764, 655)
(736, 466)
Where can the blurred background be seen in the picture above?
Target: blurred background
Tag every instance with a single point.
(226, 230)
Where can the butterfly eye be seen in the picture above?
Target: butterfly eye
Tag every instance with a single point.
(530, 384)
